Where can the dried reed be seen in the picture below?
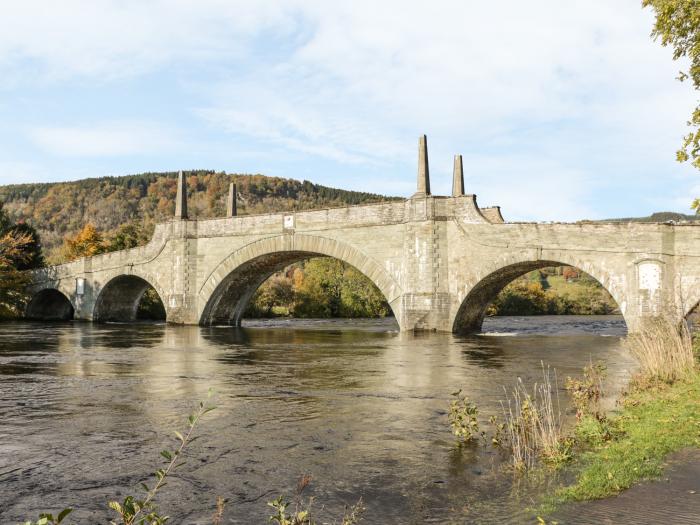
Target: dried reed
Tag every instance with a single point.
(533, 422)
(664, 350)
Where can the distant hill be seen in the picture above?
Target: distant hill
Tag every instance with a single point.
(61, 209)
(661, 216)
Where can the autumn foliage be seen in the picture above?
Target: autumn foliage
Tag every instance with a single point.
(20, 249)
(61, 210)
(86, 243)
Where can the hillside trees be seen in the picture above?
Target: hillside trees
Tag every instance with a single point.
(129, 235)
(62, 209)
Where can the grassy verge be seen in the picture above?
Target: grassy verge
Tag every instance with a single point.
(653, 423)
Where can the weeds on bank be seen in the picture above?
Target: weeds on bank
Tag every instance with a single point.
(533, 426)
(586, 392)
(646, 431)
(664, 350)
(660, 414)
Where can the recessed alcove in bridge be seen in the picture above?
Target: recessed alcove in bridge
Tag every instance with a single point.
(490, 290)
(50, 305)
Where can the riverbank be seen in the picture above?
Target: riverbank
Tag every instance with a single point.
(654, 421)
(631, 445)
(672, 498)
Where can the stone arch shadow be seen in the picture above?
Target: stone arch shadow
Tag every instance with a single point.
(49, 304)
(223, 297)
(473, 304)
(118, 299)
(690, 307)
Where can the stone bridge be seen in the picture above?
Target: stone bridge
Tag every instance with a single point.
(438, 260)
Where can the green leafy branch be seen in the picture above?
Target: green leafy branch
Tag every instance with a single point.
(48, 519)
(133, 511)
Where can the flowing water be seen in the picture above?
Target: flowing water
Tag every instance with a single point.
(85, 410)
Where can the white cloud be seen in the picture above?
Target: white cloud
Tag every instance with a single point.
(104, 139)
(467, 73)
(107, 39)
(532, 93)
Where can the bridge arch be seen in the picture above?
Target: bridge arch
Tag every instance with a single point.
(690, 304)
(119, 298)
(50, 304)
(223, 297)
(474, 299)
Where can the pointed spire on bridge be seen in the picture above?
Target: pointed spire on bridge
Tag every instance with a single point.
(231, 210)
(458, 177)
(423, 173)
(181, 199)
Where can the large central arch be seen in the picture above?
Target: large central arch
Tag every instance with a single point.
(473, 306)
(225, 294)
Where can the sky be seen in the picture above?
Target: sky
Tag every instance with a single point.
(561, 110)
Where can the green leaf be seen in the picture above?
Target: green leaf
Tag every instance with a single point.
(63, 514)
(166, 454)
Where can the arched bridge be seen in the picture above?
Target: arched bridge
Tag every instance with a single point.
(438, 260)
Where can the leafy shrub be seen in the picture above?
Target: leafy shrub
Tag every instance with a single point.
(463, 418)
(586, 393)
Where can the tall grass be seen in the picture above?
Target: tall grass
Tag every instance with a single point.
(664, 350)
(533, 425)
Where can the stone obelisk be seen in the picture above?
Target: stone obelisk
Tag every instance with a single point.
(423, 171)
(458, 178)
(181, 199)
(231, 210)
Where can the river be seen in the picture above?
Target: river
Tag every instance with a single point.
(355, 404)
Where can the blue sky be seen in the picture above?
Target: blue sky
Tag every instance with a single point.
(562, 110)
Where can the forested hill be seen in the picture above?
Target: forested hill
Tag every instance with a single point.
(661, 216)
(60, 209)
